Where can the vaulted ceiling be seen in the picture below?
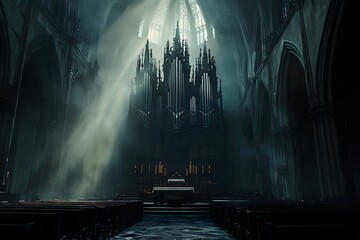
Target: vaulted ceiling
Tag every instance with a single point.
(240, 25)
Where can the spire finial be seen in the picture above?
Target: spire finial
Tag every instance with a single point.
(159, 72)
(177, 41)
(147, 55)
(177, 29)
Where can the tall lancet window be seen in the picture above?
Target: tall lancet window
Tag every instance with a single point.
(201, 32)
(157, 24)
(192, 23)
(181, 13)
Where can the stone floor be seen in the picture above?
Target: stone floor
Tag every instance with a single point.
(174, 227)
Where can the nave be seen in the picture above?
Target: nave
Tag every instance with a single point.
(244, 107)
(217, 219)
(177, 227)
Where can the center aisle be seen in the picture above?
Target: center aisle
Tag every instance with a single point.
(174, 227)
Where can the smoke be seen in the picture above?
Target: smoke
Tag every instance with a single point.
(91, 149)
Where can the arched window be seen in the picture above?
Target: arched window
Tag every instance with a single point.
(201, 33)
(157, 23)
(182, 15)
(141, 28)
(212, 31)
(192, 24)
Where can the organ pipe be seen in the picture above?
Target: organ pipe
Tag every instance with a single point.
(175, 91)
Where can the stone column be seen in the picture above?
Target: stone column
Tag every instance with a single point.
(285, 165)
(328, 152)
(6, 110)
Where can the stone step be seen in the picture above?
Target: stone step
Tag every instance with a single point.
(175, 212)
(195, 208)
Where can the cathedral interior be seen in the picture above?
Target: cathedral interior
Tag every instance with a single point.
(231, 115)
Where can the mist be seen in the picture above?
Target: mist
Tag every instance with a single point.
(93, 146)
(91, 154)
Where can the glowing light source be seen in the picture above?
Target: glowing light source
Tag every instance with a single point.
(187, 13)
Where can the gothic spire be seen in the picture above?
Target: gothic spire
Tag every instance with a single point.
(177, 40)
(177, 34)
(138, 65)
(205, 58)
(159, 73)
(186, 53)
(147, 56)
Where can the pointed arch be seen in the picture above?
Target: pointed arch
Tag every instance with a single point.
(294, 117)
(263, 108)
(46, 44)
(336, 76)
(330, 38)
(290, 54)
(263, 140)
(35, 147)
(187, 13)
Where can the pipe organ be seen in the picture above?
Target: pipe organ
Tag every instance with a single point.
(208, 95)
(166, 101)
(146, 84)
(175, 117)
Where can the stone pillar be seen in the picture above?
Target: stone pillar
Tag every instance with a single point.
(328, 152)
(280, 168)
(285, 164)
(6, 112)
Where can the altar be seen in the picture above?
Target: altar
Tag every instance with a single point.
(173, 194)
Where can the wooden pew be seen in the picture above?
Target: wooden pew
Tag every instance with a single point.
(83, 219)
(99, 217)
(231, 215)
(91, 212)
(113, 216)
(310, 232)
(72, 218)
(46, 225)
(223, 211)
(17, 231)
(234, 218)
(255, 228)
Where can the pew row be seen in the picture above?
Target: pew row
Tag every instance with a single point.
(78, 220)
(285, 220)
